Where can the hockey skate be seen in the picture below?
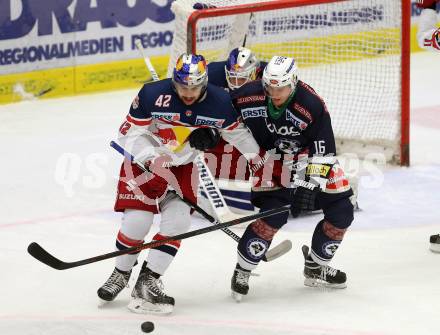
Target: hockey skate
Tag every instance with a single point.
(240, 283)
(434, 241)
(323, 276)
(113, 286)
(148, 296)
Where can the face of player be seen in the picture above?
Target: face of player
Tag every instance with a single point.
(188, 94)
(279, 95)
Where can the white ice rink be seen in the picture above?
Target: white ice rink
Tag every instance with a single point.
(393, 279)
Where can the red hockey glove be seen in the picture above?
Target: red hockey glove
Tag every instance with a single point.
(426, 3)
(157, 184)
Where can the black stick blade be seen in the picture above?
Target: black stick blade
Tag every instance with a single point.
(36, 251)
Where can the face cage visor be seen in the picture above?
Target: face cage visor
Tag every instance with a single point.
(237, 79)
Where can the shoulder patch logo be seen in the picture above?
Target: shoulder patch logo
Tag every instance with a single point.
(135, 103)
(303, 111)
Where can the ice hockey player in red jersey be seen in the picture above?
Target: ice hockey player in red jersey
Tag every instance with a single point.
(286, 115)
(186, 101)
(428, 34)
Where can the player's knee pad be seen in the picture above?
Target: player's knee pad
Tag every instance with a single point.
(262, 229)
(135, 225)
(339, 213)
(175, 217)
(271, 200)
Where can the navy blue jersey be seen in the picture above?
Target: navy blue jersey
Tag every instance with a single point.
(159, 101)
(217, 75)
(159, 119)
(304, 125)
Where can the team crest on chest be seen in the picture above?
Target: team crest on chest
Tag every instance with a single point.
(188, 113)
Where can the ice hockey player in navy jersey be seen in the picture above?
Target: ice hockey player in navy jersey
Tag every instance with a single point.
(167, 121)
(287, 116)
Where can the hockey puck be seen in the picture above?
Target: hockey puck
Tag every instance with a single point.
(147, 327)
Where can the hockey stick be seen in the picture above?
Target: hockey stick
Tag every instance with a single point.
(45, 257)
(147, 60)
(270, 255)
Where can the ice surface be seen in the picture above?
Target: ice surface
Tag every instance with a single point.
(393, 280)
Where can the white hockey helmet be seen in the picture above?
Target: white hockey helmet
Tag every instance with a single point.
(241, 67)
(279, 72)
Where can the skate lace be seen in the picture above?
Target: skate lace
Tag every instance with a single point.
(156, 286)
(328, 271)
(242, 276)
(115, 283)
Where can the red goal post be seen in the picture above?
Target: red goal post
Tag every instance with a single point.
(354, 53)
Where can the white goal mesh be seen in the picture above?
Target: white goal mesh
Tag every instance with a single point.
(350, 52)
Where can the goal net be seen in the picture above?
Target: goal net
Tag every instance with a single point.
(354, 53)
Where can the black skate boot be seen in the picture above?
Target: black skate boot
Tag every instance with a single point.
(434, 241)
(114, 285)
(321, 275)
(148, 296)
(239, 282)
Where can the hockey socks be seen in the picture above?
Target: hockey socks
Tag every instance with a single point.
(325, 241)
(254, 243)
(160, 258)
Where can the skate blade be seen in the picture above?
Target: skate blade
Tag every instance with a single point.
(142, 306)
(236, 296)
(311, 282)
(102, 303)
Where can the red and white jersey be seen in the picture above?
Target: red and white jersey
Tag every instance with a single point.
(428, 35)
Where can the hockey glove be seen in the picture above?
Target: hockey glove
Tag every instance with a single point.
(309, 182)
(265, 171)
(156, 184)
(204, 138)
(427, 4)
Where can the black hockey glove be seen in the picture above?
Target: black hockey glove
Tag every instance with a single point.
(309, 182)
(204, 138)
(304, 197)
